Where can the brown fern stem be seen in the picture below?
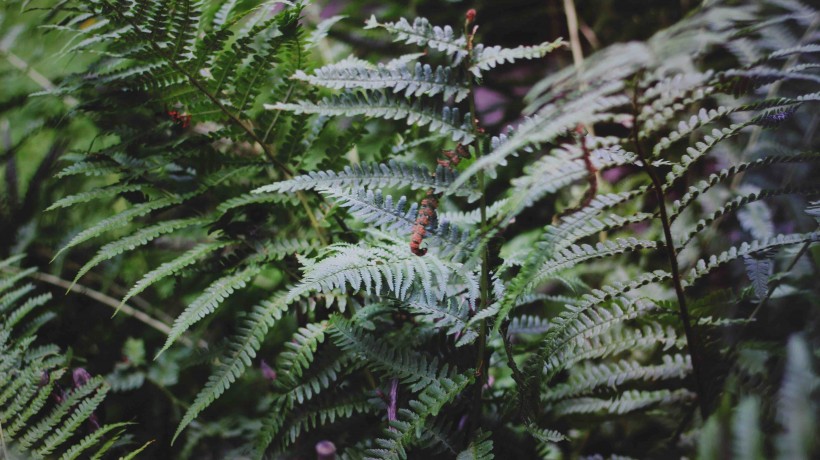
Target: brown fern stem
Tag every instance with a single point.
(692, 341)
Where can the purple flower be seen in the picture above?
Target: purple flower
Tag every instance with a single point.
(325, 450)
(267, 371)
(80, 376)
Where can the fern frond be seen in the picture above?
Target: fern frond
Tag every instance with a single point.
(747, 437)
(705, 185)
(446, 121)
(740, 201)
(42, 428)
(410, 422)
(120, 220)
(480, 448)
(421, 80)
(411, 367)
(80, 414)
(91, 440)
(549, 123)
(173, 267)
(324, 412)
(575, 254)
(626, 402)
(371, 207)
(131, 242)
(378, 265)
(95, 194)
(423, 34)
(299, 351)
(591, 376)
(322, 374)
(703, 266)
(241, 349)
(486, 58)
(449, 315)
(373, 176)
(208, 301)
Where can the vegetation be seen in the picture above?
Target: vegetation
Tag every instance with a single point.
(395, 240)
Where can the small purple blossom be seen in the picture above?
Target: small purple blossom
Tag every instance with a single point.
(80, 377)
(267, 372)
(325, 450)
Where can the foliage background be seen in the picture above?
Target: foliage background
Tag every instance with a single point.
(35, 133)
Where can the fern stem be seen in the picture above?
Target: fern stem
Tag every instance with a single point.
(657, 185)
(484, 281)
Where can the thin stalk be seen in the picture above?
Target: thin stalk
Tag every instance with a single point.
(126, 309)
(671, 252)
(484, 281)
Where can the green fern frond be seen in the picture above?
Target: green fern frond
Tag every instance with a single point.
(488, 57)
(120, 220)
(371, 207)
(323, 373)
(209, 301)
(373, 176)
(703, 266)
(241, 349)
(480, 448)
(131, 242)
(449, 315)
(44, 427)
(423, 34)
(705, 185)
(626, 402)
(549, 123)
(80, 414)
(446, 121)
(323, 412)
(411, 421)
(575, 254)
(411, 367)
(740, 201)
(299, 351)
(171, 268)
(421, 80)
(613, 374)
(95, 194)
(345, 266)
(91, 440)
(20, 312)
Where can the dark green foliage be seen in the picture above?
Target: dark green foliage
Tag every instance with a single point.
(38, 417)
(412, 280)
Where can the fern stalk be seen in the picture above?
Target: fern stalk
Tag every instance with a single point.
(484, 281)
(671, 252)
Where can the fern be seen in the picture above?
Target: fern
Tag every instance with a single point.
(423, 34)
(418, 81)
(412, 368)
(28, 378)
(405, 428)
(208, 301)
(445, 121)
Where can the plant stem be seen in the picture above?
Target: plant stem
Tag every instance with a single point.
(691, 334)
(481, 365)
(139, 315)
